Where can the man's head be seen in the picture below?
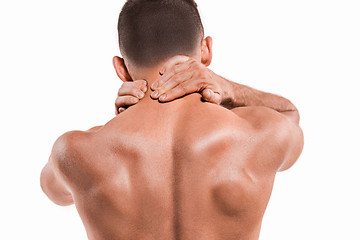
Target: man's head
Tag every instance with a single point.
(152, 31)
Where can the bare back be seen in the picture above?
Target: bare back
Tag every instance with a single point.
(181, 170)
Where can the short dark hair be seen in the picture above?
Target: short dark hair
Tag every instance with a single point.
(151, 31)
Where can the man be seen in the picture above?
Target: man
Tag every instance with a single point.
(184, 169)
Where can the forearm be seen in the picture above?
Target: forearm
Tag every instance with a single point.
(238, 95)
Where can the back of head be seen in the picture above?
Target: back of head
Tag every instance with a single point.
(151, 31)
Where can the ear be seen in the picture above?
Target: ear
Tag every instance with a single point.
(206, 51)
(121, 69)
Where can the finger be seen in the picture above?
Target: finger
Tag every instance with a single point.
(171, 69)
(206, 94)
(210, 96)
(185, 77)
(131, 84)
(177, 69)
(172, 83)
(177, 92)
(125, 101)
(216, 98)
(173, 61)
(118, 110)
(132, 90)
(142, 84)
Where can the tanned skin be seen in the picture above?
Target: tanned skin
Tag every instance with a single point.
(182, 169)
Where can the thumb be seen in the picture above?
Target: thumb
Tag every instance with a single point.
(210, 96)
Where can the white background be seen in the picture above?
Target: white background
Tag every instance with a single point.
(56, 75)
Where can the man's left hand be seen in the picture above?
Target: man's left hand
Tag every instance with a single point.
(182, 75)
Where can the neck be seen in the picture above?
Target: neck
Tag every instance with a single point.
(148, 100)
(150, 75)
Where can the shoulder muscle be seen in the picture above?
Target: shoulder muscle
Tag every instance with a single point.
(65, 152)
(282, 138)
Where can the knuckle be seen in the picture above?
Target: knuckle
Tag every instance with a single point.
(203, 76)
(119, 104)
(201, 84)
(140, 82)
(191, 61)
(182, 89)
(194, 63)
(177, 69)
(134, 92)
(123, 91)
(145, 83)
(172, 94)
(120, 91)
(132, 100)
(139, 94)
(160, 80)
(173, 72)
(193, 67)
(177, 80)
(125, 84)
(143, 88)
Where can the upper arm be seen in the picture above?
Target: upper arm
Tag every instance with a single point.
(280, 135)
(52, 180)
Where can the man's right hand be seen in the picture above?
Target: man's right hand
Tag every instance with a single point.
(129, 94)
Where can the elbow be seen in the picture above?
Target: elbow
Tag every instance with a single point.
(295, 148)
(52, 190)
(296, 117)
(44, 179)
(64, 201)
(293, 116)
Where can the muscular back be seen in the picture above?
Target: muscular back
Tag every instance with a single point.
(181, 170)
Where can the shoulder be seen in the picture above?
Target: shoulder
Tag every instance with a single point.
(67, 150)
(261, 117)
(266, 123)
(68, 142)
(280, 140)
(74, 158)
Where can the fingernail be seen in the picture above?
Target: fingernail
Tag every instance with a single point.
(155, 85)
(141, 95)
(155, 94)
(163, 97)
(134, 100)
(208, 93)
(162, 71)
(144, 88)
